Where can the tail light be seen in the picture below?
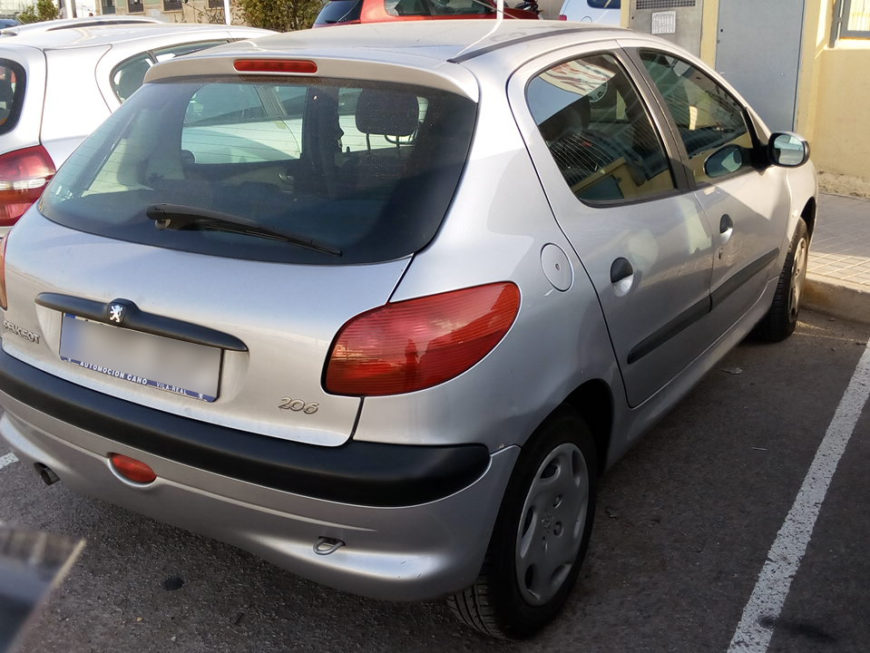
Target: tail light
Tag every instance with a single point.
(3, 272)
(415, 344)
(563, 17)
(23, 176)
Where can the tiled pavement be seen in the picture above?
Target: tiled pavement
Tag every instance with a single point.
(838, 273)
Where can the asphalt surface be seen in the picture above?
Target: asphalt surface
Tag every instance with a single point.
(684, 524)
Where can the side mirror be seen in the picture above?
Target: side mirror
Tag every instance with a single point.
(724, 161)
(788, 150)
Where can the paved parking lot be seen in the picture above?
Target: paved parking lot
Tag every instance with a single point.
(685, 524)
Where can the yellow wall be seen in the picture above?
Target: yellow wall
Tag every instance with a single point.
(841, 121)
(833, 107)
(709, 29)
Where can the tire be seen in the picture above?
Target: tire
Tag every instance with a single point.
(781, 319)
(540, 536)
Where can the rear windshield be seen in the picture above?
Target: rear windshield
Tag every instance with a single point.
(312, 172)
(11, 94)
(339, 11)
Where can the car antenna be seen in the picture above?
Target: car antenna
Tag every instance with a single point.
(499, 15)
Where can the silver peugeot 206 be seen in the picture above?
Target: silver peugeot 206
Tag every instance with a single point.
(381, 303)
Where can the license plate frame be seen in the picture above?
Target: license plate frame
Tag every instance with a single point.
(135, 357)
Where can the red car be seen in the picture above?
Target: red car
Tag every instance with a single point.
(378, 11)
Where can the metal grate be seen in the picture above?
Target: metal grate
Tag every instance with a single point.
(664, 4)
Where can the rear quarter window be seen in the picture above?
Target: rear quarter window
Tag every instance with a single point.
(12, 87)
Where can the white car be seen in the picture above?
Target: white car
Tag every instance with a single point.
(604, 12)
(57, 86)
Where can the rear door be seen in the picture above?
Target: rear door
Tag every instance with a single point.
(643, 240)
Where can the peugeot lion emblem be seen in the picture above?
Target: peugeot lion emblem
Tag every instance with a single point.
(116, 313)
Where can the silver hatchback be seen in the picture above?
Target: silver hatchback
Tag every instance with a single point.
(381, 303)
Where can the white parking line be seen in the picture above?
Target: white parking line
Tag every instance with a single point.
(791, 542)
(7, 460)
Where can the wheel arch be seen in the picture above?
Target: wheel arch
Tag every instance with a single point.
(593, 400)
(809, 215)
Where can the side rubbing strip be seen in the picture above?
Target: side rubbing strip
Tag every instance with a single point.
(668, 331)
(730, 285)
(701, 308)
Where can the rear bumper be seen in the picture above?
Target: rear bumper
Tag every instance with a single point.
(416, 545)
(358, 472)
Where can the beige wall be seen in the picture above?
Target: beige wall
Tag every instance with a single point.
(841, 125)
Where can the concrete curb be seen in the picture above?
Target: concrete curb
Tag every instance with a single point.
(838, 298)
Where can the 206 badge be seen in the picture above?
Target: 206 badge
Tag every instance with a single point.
(298, 405)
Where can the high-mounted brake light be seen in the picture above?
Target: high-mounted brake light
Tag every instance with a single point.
(415, 344)
(23, 176)
(132, 469)
(295, 66)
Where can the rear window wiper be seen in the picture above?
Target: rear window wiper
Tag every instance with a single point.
(179, 216)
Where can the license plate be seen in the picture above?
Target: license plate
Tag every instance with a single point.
(176, 366)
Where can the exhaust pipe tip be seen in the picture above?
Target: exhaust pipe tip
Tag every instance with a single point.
(46, 474)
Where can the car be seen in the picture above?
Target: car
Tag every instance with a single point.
(339, 12)
(15, 28)
(8, 22)
(605, 12)
(99, 66)
(381, 304)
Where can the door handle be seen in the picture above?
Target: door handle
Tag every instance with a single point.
(726, 227)
(620, 269)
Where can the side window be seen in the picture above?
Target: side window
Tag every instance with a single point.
(11, 93)
(710, 121)
(598, 131)
(129, 75)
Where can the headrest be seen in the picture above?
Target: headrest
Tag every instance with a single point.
(387, 112)
(6, 92)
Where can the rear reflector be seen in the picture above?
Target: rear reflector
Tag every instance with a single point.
(419, 343)
(296, 66)
(132, 469)
(23, 176)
